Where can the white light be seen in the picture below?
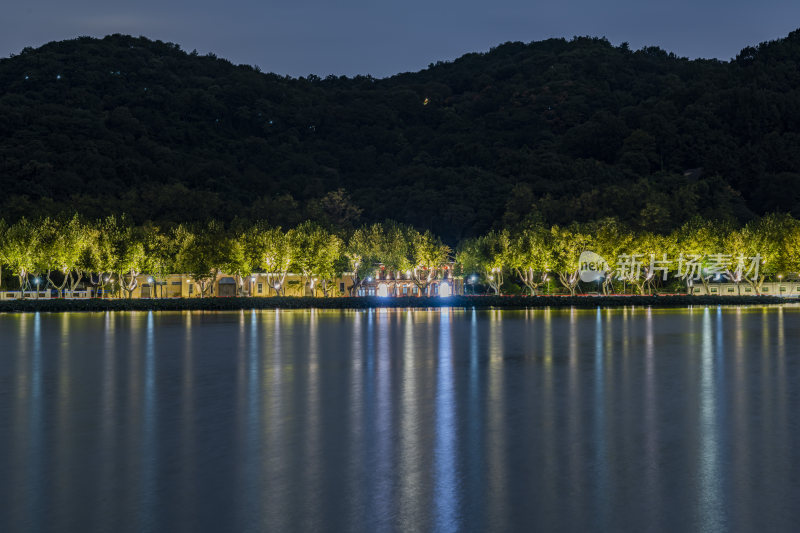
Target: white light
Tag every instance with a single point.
(444, 290)
(149, 280)
(369, 279)
(474, 278)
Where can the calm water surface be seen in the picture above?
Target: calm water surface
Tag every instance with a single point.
(396, 420)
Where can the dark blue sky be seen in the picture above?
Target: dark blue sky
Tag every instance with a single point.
(381, 38)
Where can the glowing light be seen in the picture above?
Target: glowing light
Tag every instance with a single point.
(444, 290)
(383, 290)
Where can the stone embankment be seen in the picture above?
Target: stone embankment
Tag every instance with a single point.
(469, 302)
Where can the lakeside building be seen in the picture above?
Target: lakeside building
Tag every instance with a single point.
(771, 288)
(388, 283)
(226, 286)
(262, 285)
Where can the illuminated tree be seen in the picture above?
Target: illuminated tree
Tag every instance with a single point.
(361, 254)
(429, 255)
(791, 247)
(531, 256)
(237, 260)
(489, 255)
(272, 251)
(3, 253)
(611, 239)
(98, 259)
(62, 244)
(317, 252)
(159, 254)
(22, 245)
(700, 243)
(767, 239)
(568, 244)
(658, 253)
(200, 252)
(126, 245)
(736, 243)
(394, 248)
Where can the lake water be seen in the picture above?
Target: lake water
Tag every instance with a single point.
(401, 420)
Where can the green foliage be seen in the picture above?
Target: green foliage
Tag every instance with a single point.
(316, 256)
(491, 256)
(201, 252)
(568, 244)
(113, 252)
(569, 130)
(531, 255)
(427, 258)
(22, 249)
(272, 251)
(61, 245)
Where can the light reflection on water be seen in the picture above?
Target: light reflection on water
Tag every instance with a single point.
(442, 420)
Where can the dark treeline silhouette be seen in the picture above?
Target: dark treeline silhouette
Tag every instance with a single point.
(569, 130)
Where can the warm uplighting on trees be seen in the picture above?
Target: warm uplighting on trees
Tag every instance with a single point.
(113, 254)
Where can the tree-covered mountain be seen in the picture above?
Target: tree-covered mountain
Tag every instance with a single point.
(559, 130)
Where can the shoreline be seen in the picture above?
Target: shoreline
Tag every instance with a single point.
(308, 302)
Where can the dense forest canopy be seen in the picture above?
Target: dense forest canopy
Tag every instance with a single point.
(557, 130)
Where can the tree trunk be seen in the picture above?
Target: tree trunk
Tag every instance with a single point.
(73, 282)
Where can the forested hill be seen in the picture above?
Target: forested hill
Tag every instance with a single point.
(564, 130)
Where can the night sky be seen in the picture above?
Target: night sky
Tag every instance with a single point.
(377, 37)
